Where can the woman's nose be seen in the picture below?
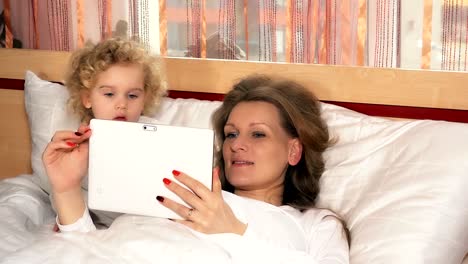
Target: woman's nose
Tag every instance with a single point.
(238, 144)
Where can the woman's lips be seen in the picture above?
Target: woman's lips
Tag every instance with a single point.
(240, 163)
(121, 118)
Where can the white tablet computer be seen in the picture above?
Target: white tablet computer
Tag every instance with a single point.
(128, 161)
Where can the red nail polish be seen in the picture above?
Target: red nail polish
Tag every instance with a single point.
(175, 172)
(166, 181)
(71, 144)
(160, 198)
(78, 134)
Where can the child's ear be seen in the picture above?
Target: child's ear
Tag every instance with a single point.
(86, 99)
(295, 151)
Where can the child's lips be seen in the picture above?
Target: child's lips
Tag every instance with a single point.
(120, 118)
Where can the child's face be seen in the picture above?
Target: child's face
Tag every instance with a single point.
(118, 93)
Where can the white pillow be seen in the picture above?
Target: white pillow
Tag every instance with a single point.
(47, 112)
(399, 185)
(186, 112)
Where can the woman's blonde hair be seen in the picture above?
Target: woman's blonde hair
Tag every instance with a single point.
(86, 63)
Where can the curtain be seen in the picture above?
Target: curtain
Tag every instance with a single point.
(66, 25)
(425, 34)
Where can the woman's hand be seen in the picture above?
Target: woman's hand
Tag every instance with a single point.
(66, 159)
(209, 214)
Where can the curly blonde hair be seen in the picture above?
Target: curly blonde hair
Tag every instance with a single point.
(93, 59)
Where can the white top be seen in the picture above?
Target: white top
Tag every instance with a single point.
(313, 236)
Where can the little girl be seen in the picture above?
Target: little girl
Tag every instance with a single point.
(115, 80)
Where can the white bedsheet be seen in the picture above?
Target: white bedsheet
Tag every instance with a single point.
(25, 214)
(26, 237)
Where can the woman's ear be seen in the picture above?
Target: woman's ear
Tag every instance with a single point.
(295, 151)
(86, 99)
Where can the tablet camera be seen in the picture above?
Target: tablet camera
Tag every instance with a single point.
(150, 128)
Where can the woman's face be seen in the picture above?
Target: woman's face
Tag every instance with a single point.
(257, 149)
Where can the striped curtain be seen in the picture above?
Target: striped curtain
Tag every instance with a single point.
(66, 25)
(423, 34)
(298, 31)
(454, 35)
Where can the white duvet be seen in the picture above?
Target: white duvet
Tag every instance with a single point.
(26, 235)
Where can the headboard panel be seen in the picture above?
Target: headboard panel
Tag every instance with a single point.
(358, 87)
(433, 89)
(15, 144)
(419, 88)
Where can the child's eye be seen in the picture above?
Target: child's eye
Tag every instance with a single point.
(258, 134)
(132, 96)
(230, 135)
(109, 94)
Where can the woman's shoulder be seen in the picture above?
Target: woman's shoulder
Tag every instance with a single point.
(318, 214)
(326, 228)
(324, 221)
(315, 218)
(320, 217)
(311, 215)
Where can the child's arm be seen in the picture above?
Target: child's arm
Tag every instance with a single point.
(69, 205)
(83, 224)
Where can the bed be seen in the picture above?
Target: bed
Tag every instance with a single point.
(397, 175)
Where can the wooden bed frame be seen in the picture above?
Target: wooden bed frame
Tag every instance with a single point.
(376, 91)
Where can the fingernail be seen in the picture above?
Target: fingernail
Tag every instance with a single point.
(160, 198)
(175, 172)
(78, 134)
(71, 144)
(166, 181)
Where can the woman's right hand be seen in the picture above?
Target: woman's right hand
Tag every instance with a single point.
(66, 159)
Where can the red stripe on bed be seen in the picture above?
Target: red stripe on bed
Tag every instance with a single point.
(406, 111)
(369, 109)
(196, 95)
(11, 84)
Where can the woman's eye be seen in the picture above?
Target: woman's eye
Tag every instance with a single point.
(108, 94)
(132, 96)
(258, 134)
(230, 135)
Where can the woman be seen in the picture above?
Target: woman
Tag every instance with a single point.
(271, 139)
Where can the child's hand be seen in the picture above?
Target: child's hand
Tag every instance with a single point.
(66, 159)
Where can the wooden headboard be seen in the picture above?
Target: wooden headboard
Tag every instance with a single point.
(376, 91)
